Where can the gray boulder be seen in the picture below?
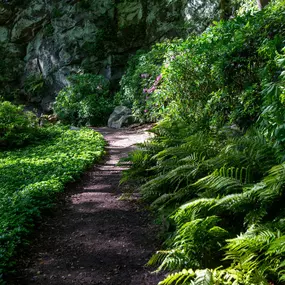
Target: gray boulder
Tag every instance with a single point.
(28, 22)
(120, 116)
(4, 34)
(72, 128)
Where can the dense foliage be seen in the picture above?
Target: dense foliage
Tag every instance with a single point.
(214, 172)
(224, 69)
(85, 102)
(31, 177)
(17, 127)
(11, 69)
(141, 80)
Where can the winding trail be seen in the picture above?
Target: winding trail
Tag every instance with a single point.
(94, 237)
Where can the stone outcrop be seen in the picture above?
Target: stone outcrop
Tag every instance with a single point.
(52, 39)
(5, 14)
(120, 116)
(28, 22)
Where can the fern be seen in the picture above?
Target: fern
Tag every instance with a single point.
(257, 253)
(216, 187)
(192, 245)
(180, 277)
(199, 207)
(274, 183)
(218, 184)
(203, 277)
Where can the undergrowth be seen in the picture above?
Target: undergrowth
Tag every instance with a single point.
(86, 102)
(214, 171)
(31, 177)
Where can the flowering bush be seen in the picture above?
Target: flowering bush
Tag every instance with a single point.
(212, 79)
(140, 86)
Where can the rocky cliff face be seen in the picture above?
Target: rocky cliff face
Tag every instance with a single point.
(43, 41)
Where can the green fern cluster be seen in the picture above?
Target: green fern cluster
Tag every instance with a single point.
(215, 170)
(214, 187)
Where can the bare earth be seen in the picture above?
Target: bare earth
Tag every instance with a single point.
(94, 237)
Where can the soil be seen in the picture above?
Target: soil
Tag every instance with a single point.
(94, 236)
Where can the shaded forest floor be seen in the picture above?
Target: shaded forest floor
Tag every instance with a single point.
(93, 236)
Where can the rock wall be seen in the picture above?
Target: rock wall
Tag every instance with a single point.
(43, 41)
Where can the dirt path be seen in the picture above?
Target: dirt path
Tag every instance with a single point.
(95, 238)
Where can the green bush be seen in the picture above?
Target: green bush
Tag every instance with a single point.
(214, 171)
(11, 69)
(208, 188)
(31, 177)
(212, 79)
(85, 102)
(272, 117)
(140, 85)
(34, 87)
(16, 126)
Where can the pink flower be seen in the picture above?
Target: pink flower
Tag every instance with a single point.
(145, 90)
(144, 75)
(158, 78)
(145, 110)
(150, 90)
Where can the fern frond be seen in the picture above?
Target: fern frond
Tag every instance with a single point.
(200, 207)
(162, 201)
(218, 184)
(158, 257)
(235, 203)
(183, 173)
(204, 277)
(168, 259)
(277, 246)
(216, 276)
(179, 278)
(274, 183)
(247, 251)
(155, 188)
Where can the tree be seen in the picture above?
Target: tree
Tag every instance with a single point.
(225, 7)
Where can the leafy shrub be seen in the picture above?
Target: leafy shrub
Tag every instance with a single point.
(85, 102)
(245, 6)
(142, 79)
(34, 87)
(11, 69)
(212, 79)
(31, 177)
(213, 187)
(217, 77)
(214, 172)
(273, 94)
(16, 126)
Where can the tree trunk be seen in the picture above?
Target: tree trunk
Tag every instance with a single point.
(262, 3)
(225, 7)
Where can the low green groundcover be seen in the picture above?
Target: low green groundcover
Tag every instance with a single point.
(31, 177)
